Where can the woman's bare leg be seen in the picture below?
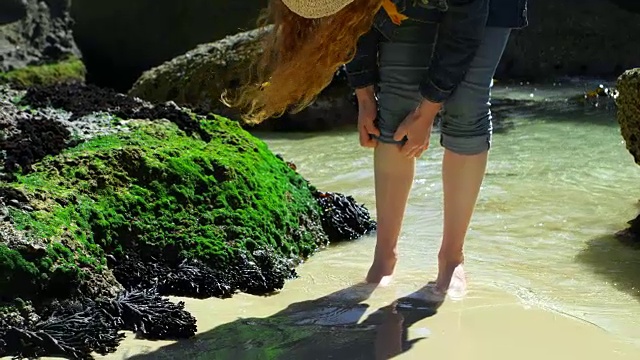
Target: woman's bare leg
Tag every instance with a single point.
(462, 178)
(466, 136)
(394, 174)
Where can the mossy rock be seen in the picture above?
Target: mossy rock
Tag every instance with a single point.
(199, 77)
(71, 70)
(628, 113)
(151, 200)
(160, 194)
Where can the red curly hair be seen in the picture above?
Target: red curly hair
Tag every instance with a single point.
(299, 59)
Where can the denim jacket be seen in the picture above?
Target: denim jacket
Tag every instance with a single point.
(460, 31)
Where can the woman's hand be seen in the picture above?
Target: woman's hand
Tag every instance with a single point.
(417, 128)
(367, 113)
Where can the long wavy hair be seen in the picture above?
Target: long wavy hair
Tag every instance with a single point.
(299, 58)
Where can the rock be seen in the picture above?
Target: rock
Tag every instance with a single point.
(342, 217)
(628, 113)
(198, 78)
(212, 216)
(35, 32)
(120, 39)
(96, 231)
(630, 235)
(578, 39)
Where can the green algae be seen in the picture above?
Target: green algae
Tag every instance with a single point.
(70, 70)
(160, 193)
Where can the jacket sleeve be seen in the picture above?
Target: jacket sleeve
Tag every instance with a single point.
(459, 35)
(362, 70)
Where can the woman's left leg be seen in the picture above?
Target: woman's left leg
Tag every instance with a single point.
(466, 137)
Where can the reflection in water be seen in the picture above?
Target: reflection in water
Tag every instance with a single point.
(329, 327)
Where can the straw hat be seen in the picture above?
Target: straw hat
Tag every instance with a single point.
(313, 9)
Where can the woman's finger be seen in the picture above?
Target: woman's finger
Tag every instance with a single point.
(408, 149)
(401, 133)
(366, 140)
(413, 151)
(421, 150)
(364, 136)
(371, 142)
(372, 129)
(411, 146)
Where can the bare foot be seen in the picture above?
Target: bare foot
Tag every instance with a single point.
(452, 281)
(458, 285)
(381, 271)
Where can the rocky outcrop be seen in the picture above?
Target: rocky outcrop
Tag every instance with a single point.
(120, 39)
(630, 235)
(628, 113)
(35, 32)
(586, 38)
(109, 203)
(198, 78)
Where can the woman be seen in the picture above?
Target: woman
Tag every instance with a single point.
(407, 60)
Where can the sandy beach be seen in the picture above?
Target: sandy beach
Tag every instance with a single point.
(325, 317)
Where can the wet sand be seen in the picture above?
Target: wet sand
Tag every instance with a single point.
(324, 314)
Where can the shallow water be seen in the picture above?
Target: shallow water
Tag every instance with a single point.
(546, 278)
(557, 187)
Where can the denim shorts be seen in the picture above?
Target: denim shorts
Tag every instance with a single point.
(466, 118)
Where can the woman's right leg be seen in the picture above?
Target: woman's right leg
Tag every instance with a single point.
(402, 63)
(466, 136)
(393, 178)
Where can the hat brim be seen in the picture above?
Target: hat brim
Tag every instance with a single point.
(315, 9)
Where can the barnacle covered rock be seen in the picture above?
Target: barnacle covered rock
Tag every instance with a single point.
(109, 203)
(628, 115)
(343, 218)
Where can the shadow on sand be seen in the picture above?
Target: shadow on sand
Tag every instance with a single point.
(616, 262)
(325, 328)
